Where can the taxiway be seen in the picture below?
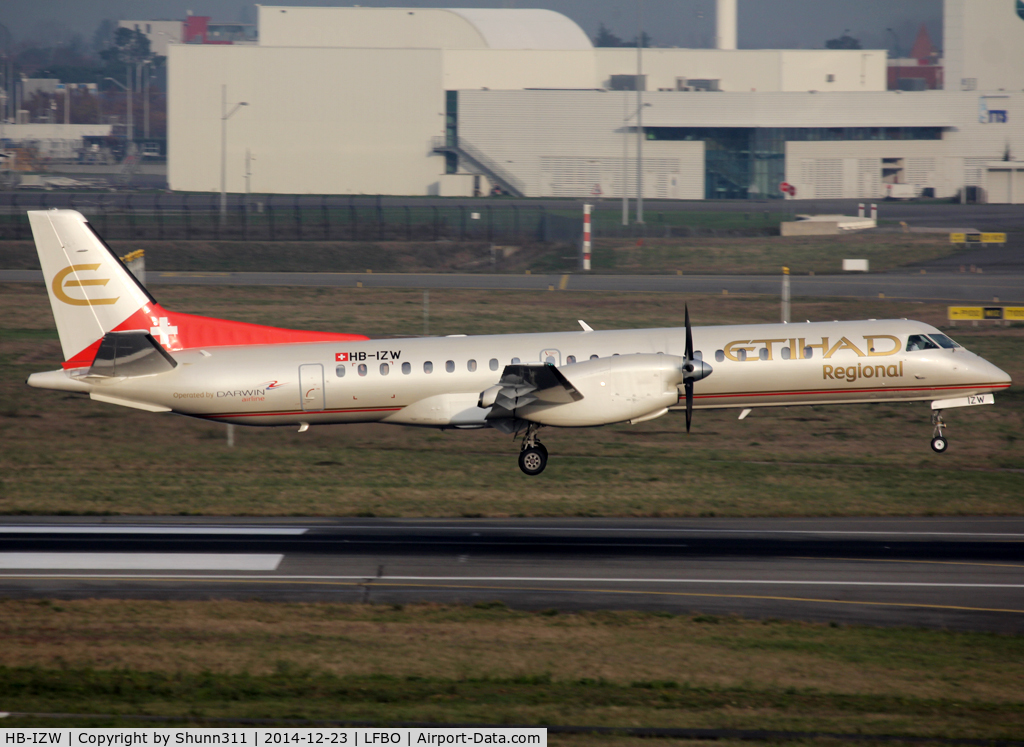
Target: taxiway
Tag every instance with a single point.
(954, 573)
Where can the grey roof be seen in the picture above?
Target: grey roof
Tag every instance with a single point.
(521, 28)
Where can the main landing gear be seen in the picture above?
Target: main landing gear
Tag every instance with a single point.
(939, 441)
(533, 456)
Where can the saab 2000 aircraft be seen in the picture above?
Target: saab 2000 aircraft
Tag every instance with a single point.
(121, 347)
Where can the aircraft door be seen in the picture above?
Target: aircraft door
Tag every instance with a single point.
(311, 387)
(551, 356)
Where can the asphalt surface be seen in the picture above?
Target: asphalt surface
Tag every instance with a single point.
(1004, 288)
(944, 573)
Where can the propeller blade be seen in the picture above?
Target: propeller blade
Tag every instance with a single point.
(689, 335)
(689, 403)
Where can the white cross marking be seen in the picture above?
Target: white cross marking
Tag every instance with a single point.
(164, 330)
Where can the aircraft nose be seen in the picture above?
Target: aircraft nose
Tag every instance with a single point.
(989, 373)
(996, 375)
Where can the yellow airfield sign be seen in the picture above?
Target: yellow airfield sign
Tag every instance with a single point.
(978, 313)
(977, 238)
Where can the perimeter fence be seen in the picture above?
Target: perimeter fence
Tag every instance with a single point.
(162, 216)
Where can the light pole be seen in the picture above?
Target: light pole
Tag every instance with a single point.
(625, 166)
(625, 156)
(639, 114)
(143, 66)
(896, 43)
(128, 114)
(225, 115)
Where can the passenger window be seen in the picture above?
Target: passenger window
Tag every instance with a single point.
(385, 369)
(785, 354)
(719, 355)
(698, 355)
(493, 364)
(428, 367)
(550, 360)
(362, 369)
(471, 365)
(944, 341)
(741, 355)
(449, 366)
(593, 357)
(407, 368)
(339, 372)
(920, 342)
(763, 354)
(808, 352)
(515, 361)
(570, 359)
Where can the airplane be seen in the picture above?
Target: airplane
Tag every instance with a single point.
(121, 347)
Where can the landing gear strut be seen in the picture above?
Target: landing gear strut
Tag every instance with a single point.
(533, 456)
(939, 441)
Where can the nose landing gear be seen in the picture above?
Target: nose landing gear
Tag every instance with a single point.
(533, 456)
(939, 441)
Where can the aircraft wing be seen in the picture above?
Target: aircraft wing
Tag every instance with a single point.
(524, 384)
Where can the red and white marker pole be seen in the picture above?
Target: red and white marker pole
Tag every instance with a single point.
(586, 238)
(874, 211)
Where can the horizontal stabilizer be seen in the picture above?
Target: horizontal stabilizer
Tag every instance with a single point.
(130, 354)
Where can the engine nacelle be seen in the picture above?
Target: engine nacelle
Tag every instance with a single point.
(615, 390)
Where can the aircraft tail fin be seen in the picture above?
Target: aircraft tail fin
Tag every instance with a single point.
(92, 293)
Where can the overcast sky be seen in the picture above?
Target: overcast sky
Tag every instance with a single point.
(786, 24)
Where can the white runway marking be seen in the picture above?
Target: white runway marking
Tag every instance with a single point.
(534, 579)
(684, 530)
(473, 529)
(145, 529)
(116, 561)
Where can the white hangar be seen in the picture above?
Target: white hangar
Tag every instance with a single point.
(413, 101)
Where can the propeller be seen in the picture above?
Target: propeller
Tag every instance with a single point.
(693, 370)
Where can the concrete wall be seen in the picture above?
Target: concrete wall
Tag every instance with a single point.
(749, 70)
(23, 132)
(1005, 183)
(319, 121)
(504, 69)
(984, 45)
(853, 169)
(573, 144)
(365, 27)
(851, 70)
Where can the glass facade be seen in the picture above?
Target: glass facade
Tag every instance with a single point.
(451, 130)
(750, 162)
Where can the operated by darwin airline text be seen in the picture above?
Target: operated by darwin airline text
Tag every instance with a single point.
(362, 737)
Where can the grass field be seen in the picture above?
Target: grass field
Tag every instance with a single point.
(755, 255)
(65, 454)
(489, 664)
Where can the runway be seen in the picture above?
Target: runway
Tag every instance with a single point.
(1003, 288)
(944, 573)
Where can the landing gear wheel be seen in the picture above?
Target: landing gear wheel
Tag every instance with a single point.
(533, 460)
(939, 444)
(542, 448)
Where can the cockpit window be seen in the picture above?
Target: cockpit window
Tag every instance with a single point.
(920, 342)
(944, 341)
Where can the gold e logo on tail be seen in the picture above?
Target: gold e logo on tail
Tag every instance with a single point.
(59, 285)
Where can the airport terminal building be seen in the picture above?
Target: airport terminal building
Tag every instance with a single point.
(414, 101)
